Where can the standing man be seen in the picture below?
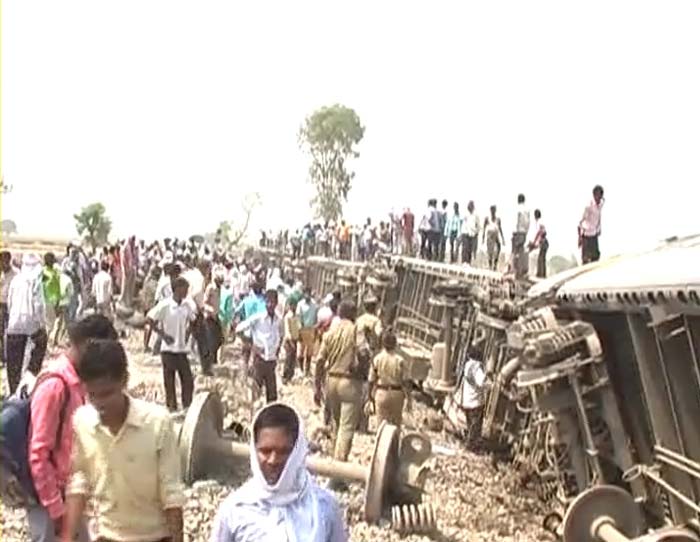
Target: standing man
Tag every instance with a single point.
(52, 289)
(307, 311)
(8, 273)
(540, 242)
(266, 333)
(211, 325)
(103, 290)
(65, 312)
(470, 233)
(389, 383)
(226, 307)
(452, 231)
(26, 320)
(522, 226)
(473, 389)
(407, 226)
(589, 227)
(435, 231)
(424, 231)
(442, 217)
(369, 332)
(249, 306)
(125, 457)
(338, 365)
(493, 238)
(171, 320)
(292, 327)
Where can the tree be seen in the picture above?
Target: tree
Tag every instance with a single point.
(232, 232)
(557, 264)
(9, 227)
(330, 136)
(93, 223)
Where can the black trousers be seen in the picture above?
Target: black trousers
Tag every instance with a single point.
(201, 337)
(290, 360)
(424, 244)
(443, 247)
(265, 377)
(542, 260)
(434, 245)
(15, 346)
(214, 339)
(468, 248)
(589, 249)
(176, 362)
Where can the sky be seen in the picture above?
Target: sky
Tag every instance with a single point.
(170, 111)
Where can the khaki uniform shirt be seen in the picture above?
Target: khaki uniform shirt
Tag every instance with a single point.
(133, 476)
(338, 349)
(369, 324)
(387, 369)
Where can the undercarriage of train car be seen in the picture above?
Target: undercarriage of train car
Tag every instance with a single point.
(558, 404)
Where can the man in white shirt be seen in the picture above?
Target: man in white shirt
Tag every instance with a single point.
(466, 405)
(520, 258)
(469, 234)
(589, 227)
(171, 319)
(26, 320)
(8, 273)
(266, 330)
(102, 290)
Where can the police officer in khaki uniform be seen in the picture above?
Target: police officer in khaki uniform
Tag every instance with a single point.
(388, 383)
(369, 332)
(343, 363)
(369, 326)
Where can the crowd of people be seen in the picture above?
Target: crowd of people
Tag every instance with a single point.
(88, 439)
(438, 229)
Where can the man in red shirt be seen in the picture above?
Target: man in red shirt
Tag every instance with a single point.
(407, 225)
(49, 452)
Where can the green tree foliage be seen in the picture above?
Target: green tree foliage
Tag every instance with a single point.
(93, 224)
(557, 264)
(330, 136)
(9, 227)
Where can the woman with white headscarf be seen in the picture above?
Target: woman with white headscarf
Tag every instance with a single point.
(281, 502)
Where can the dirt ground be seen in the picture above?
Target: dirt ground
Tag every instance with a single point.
(477, 499)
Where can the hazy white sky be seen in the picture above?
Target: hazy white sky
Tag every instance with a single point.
(168, 111)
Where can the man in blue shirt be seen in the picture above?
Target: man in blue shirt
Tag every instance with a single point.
(250, 305)
(307, 311)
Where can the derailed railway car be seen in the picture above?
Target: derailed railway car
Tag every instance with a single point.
(595, 376)
(645, 310)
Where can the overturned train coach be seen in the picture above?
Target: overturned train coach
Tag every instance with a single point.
(594, 376)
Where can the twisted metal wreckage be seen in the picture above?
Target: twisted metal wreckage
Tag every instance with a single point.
(595, 376)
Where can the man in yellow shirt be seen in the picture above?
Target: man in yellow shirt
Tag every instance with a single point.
(125, 457)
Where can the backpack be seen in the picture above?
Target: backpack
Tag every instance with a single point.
(16, 484)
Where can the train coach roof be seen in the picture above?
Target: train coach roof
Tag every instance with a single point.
(669, 271)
